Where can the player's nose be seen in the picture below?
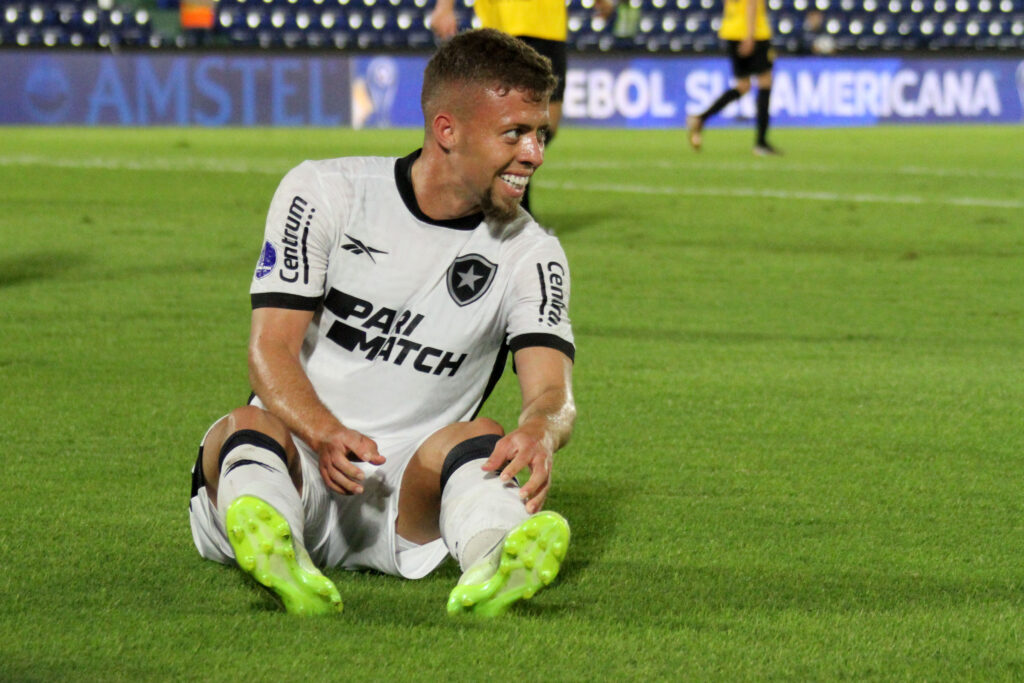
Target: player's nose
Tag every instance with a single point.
(531, 150)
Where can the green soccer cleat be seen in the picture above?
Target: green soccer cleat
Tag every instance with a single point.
(530, 558)
(264, 549)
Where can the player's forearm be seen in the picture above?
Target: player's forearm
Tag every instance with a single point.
(552, 416)
(279, 380)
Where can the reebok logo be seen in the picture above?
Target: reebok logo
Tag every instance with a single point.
(357, 247)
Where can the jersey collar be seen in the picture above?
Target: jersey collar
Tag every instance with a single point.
(403, 178)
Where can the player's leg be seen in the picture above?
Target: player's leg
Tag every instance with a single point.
(506, 555)
(741, 86)
(252, 477)
(764, 94)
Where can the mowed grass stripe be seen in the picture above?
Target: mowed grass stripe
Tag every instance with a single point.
(242, 167)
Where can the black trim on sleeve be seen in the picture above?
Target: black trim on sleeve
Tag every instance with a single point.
(403, 178)
(551, 341)
(292, 302)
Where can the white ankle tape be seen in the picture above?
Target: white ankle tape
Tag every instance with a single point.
(250, 470)
(474, 501)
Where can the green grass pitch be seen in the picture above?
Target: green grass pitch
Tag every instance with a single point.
(799, 381)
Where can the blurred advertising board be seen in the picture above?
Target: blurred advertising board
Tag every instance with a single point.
(383, 91)
(807, 91)
(221, 89)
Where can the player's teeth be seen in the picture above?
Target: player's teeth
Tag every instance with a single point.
(518, 181)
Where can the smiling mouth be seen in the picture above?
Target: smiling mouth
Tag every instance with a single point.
(516, 182)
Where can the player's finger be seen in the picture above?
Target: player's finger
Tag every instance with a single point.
(535, 504)
(328, 476)
(540, 475)
(346, 476)
(521, 460)
(499, 456)
(365, 449)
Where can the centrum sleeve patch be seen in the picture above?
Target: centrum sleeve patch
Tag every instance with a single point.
(268, 259)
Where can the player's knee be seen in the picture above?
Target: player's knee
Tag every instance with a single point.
(743, 86)
(485, 425)
(435, 450)
(257, 420)
(242, 419)
(764, 81)
(474, 448)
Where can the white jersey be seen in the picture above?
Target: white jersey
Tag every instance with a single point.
(414, 317)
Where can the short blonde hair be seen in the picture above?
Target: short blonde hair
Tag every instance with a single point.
(485, 58)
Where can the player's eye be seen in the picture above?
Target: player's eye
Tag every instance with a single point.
(513, 135)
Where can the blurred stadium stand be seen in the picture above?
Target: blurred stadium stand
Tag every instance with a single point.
(673, 26)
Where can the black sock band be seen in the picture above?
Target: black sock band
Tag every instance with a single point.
(764, 96)
(477, 448)
(723, 101)
(258, 439)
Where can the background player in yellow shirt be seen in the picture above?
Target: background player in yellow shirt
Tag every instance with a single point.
(747, 35)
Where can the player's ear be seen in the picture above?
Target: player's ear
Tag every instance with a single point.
(443, 128)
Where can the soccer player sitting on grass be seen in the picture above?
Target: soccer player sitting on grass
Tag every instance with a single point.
(385, 300)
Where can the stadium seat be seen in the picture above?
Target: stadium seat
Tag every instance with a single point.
(676, 26)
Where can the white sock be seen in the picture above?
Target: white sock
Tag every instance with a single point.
(251, 470)
(477, 510)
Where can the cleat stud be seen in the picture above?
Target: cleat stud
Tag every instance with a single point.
(266, 547)
(467, 601)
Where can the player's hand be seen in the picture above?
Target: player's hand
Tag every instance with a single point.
(518, 450)
(339, 454)
(746, 47)
(443, 24)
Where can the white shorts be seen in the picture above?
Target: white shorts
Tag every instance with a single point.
(351, 532)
